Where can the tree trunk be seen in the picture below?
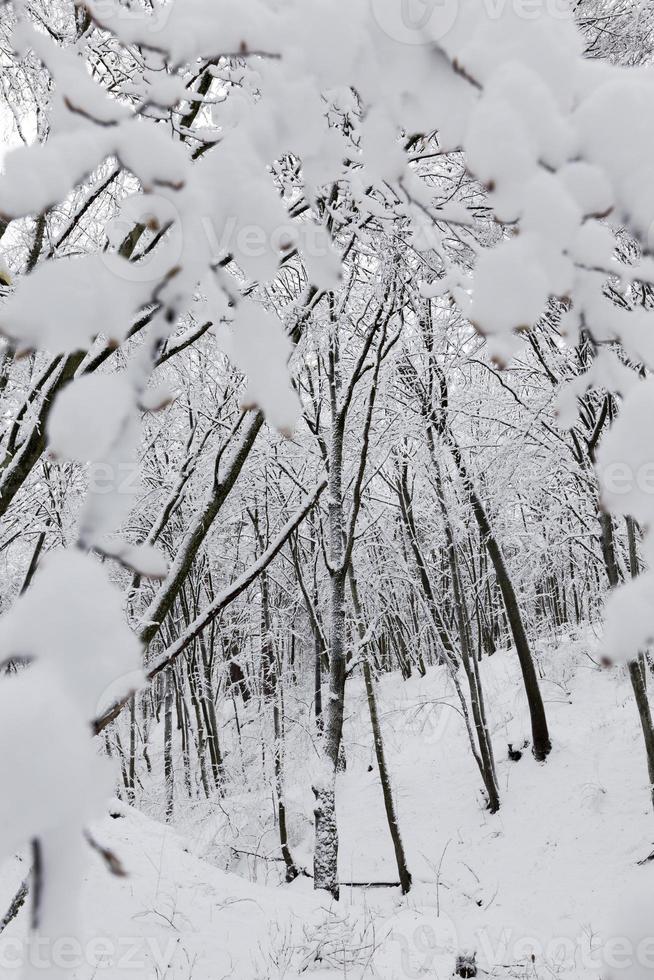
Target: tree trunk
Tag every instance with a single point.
(270, 685)
(637, 672)
(131, 767)
(325, 865)
(291, 868)
(469, 663)
(210, 719)
(168, 746)
(542, 745)
(389, 804)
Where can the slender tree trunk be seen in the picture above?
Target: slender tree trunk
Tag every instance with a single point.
(291, 868)
(194, 684)
(271, 690)
(211, 719)
(16, 905)
(448, 657)
(637, 672)
(341, 543)
(542, 745)
(131, 770)
(317, 680)
(409, 522)
(325, 868)
(325, 865)
(637, 676)
(469, 663)
(183, 729)
(168, 745)
(389, 804)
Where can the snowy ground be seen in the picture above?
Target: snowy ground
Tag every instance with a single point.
(554, 875)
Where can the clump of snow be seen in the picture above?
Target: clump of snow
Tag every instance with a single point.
(260, 348)
(589, 186)
(625, 459)
(79, 630)
(511, 290)
(88, 415)
(629, 619)
(50, 757)
(63, 305)
(621, 106)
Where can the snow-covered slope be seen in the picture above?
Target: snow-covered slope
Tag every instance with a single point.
(553, 875)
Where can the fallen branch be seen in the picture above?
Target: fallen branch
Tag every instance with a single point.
(17, 903)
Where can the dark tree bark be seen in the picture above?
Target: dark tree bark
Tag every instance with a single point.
(168, 745)
(541, 744)
(389, 803)
(637, 670)
(469, 663)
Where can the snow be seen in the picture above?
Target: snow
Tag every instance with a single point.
(545, 41)
(88, 415)
(556, 144)
(193, 29)
(550, 211)
(76, 90)
(143, 559)
(383, 154)
(629, 619)
(260, 348)
(554, 873)
(594, 245)
(622, 105)
(51, 757)
(624, 459)
(534, 866)
(80, 630)
(511, 290)
(63, 306)
(588, 185)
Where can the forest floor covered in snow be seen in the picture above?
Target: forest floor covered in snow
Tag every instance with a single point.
(548, 887)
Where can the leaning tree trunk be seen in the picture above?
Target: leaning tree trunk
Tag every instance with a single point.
(637, 672)
(489, 774)
(448, 656)
(639, 685)
(541, 744)
(389, 804)
(437, 425)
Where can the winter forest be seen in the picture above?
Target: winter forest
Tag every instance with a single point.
(327, 489)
